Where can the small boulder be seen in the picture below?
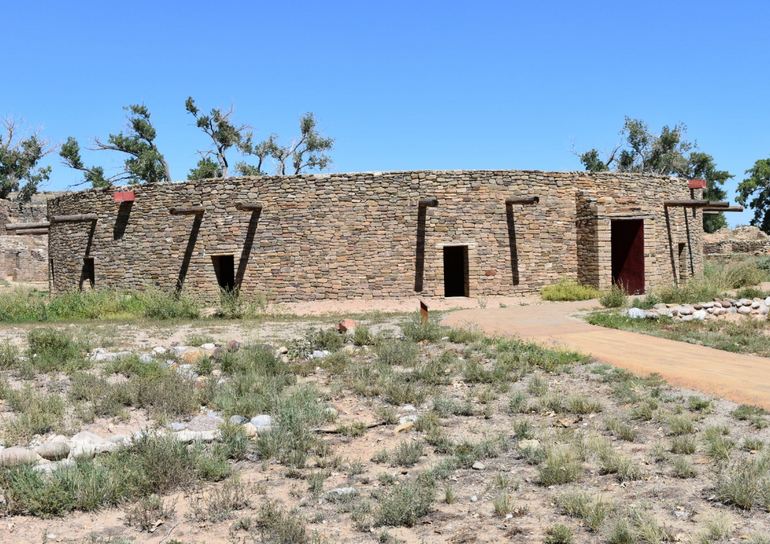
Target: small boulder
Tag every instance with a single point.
(636, 313)
(744, 310)
(58, 447)
(249, 430)
(262, 422)
(237, 420)
(187, 436)
(686, 309)
(529, 444)
(191, 356)
(341, 493)
(233, 346)
(699, 315)
(88, 444)
(478, 465)
(346, 325)
(159, 350)
(11, 457)
(319, 354)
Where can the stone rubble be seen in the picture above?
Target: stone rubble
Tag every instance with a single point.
(756, 308)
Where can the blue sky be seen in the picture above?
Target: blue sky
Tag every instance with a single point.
(399, 85)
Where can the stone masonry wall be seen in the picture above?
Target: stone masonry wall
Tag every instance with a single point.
(336, 236)
(23, 258)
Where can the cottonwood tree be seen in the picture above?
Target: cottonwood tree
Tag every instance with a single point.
(667, 153)
(754, 192)
(20, 158)
(305, 153)
(224, 135)
(145, 163)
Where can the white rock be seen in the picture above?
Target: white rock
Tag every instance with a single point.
(159, 350)
(699, 315)
(685, 309)
(319, 354)
(262, 422)
(767, 301)
(410, 418)
(10, 457)
(744, 310)
(57, 447)
(209, 346)
(88, 444)
(636, 313)
(249, 430)
(196, 436)
(101, 355)
(686, 317)
(341, 493)
(478, 465)
(744, 302)
(529, 444)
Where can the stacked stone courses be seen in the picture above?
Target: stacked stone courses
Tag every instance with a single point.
(338, 236)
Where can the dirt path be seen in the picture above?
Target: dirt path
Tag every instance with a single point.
(738, 377)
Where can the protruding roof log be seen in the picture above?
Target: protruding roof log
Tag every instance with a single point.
(75, 217)
(186, 210)
(720, 210)
(17, 226)
(248, 206)
(697, 203)
(22, 232)
(429, 202)
(522, 200)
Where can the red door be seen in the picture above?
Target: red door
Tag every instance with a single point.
(628, 255)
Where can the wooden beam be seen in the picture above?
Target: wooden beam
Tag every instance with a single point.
(429, 202)
(23, 232)
(16, 226)
(186, 210)
(75, 217)
(248, 206)
(697, 203)
(522, 200)
(720, 210)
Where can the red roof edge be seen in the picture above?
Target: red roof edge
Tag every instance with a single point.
(696, 184)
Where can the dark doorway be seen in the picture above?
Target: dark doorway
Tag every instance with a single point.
(224, 268)
(456, 271)
(88, 275)
(628, 255)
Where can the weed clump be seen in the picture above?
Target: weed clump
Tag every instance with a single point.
(568, 290)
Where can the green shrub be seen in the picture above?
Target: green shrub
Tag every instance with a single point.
(162, 305)
(560, 466)
(558, 534)
(417, 330)
(397, 352)
(276, 525)
(567, 290)
(36, 413)
(55, 350)
(615, 297)
(9, 356)
(405, 504)
(362, 336)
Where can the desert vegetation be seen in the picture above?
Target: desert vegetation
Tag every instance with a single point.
(394, 431)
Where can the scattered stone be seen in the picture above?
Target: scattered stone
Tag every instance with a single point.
(205, 422)
(341, 493)
(208, 346)
(744, 310)
(346, 325)
(146, 358)
(177, 426)
(159, 350)
(88, 444)
(319, 354)
(101, 355)
(57, 447)
(262, 423)
(233, 346)
(14, 456)
(699, 315)
(249, 430)
(474, 498)
(237, 420)
(47, 467)
(408, 408)
(187, 436)
(636, 313)
(478, 465)
(410, 418)
(744, 302)
(283, 350)
(191, 356)
(685, 309)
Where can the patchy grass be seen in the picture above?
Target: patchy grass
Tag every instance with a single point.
(744, 336)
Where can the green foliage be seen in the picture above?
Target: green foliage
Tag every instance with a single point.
(667, 153)
(55, 350)
(745, 482)
(397, 352)
(560, 466)
(152, 464)
(223, 134)
(567, 290)
(308, 152)
(36, 413)
(579, 504)
(144, 164)
(558, 534)
(405, 504)
(615, 297)
(19, 163)
(417, 330)
(276, 525)
(754, 192)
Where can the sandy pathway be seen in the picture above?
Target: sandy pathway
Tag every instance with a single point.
(738, 377)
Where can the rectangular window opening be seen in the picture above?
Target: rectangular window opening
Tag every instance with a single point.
(455, 271)
(224, 269)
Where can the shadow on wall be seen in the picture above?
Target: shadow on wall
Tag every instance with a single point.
(196, 227)
(124, 211)
(248, 244)
(514, 250)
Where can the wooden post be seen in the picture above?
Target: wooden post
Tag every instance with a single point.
(522, 200)
(17, 226)
(430, 202)
(423, 312)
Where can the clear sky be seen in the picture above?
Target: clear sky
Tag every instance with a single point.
(400, 85)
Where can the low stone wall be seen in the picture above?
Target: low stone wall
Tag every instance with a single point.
(755, 307)
(24, 258)
(338, 236)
